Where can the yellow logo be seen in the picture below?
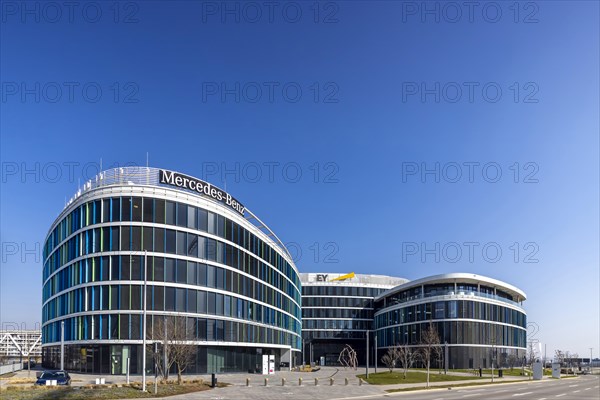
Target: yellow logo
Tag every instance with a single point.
(344, 277)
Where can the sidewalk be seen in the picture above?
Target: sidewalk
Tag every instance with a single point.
(274, 389)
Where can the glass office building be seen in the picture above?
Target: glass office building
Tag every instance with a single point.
(478, 319)
(338, 309)
(199, 255)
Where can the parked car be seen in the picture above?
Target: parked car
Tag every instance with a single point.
(61, 378)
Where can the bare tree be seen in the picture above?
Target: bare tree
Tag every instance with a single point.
(390, 358)
(430, 347)
(175, 337)
(559, 356)
(406, 357)
(512, 361)
(347, 357)
(531, 354)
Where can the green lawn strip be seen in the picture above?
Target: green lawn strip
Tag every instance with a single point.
(451, 386)
(387, 378)
(98, 392)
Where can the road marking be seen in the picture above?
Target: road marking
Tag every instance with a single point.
(469, 395)
(573, 385)
(588, 389)
(543, 398)
(521, 394)
(577, 391)
(561, 395)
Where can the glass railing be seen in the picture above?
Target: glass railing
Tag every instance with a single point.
(449, 295)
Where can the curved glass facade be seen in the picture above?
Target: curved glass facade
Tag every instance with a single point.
(476, 321)
(238, 291)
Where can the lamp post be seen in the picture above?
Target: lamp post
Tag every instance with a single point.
(144, 322)
(375, 339)
(367, 374)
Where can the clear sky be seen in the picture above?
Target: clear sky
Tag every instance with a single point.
(321, 118)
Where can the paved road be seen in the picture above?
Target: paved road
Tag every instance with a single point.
(583, 388)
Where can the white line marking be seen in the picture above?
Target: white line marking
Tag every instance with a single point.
(577, 391)
(573, 385)
(561, 395)
(521, 394)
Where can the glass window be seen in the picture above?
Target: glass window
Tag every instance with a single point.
(170, 241)
(211, 302)
(219, 302)
(211, 249)
(124, 326)
(180, 300)
(181, 271)
(125, 267)
(220, 226)
(227, 306)
(220, 275)
(192, 219)
(136, 209)
(106, 210)
(159, 298)
(201, 302)
(159, 269)
(114, 297)
(159, 240)
(169, 299)
(148, 209)
(202, 219)
(114, 238)
(136, 267)
(192, 275)
(170, 213)
(136, 238)
(202, 274)
(212, 223)
(147, 238)
(125, 297)
(125, 238)
(210, 276)
(126, 209)
(116, 209)
(192, 301)
(181, 214)
(181, 245)
(159, 211)
(169, 270)
(136, 297)
(192, 245)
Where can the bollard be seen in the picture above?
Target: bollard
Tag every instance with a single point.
(346, 382)
(282, 381)
(299, 381)
(266, 381)
(330, 381)
(359, 382)
(316, 381)
(247, 381)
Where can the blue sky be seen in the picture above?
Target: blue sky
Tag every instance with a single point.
(363, 101)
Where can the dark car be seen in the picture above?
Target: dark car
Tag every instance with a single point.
(61, 378)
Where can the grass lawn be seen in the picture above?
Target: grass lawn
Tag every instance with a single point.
(458, 385)
(390, 378)
(99, 392)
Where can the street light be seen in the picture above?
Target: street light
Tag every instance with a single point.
(144, 322)
(144, 308)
